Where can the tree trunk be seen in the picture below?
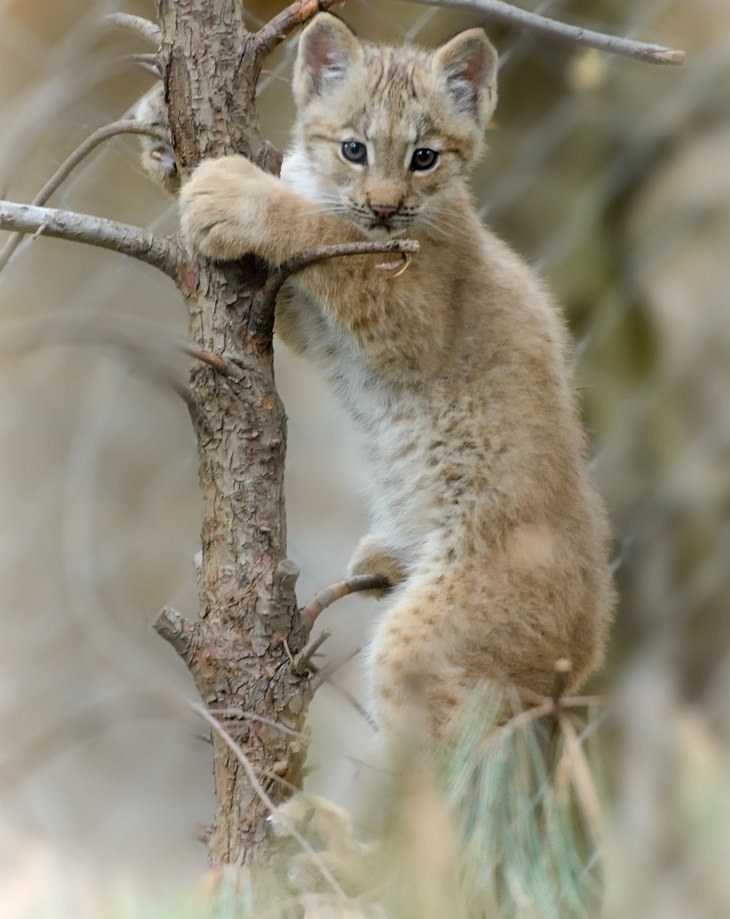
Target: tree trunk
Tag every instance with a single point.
(239, 650)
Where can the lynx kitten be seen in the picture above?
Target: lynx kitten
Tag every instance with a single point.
(456, 371)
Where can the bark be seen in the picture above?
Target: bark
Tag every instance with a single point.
(238, 652)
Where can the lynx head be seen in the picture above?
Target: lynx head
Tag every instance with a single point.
(384, 135)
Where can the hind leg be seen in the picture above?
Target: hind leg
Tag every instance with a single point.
(373, 556)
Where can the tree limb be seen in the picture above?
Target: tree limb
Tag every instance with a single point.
(296, 14)
(160, 251)
(143, 27)
(512, 15)
(124, 126)
(404, 247)
(275, 31)
(144, 61)
(339, 590)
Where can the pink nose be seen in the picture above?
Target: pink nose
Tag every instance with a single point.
(383, 211)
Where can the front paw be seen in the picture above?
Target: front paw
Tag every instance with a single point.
(372, 556)
(224, 208)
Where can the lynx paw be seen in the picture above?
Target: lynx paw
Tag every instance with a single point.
(373, 557)
(224, 208)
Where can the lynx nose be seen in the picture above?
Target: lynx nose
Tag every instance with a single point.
(383, 211)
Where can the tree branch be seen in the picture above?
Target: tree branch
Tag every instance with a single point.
(339, 590)
(404, 247)
(144, 61)
(143, 27)
(141, 338)
(512, 15)
(143, 353)
(125, 126)
(277, 29)
(160, 251)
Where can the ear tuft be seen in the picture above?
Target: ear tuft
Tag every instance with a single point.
(328, 50)
(467, 68)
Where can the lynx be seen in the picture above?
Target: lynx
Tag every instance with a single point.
(456, 371)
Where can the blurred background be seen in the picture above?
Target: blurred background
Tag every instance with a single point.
(613, 178)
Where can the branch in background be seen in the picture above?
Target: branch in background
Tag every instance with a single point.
(146, 62)
(160, 251)
(353, 702)
(275, 31)
(143, 354)
(339, 590)
(85, 721)
(573, 764)
(324, 674)
(125, 126)
(143, 27)
(129, 334)
(512, 15)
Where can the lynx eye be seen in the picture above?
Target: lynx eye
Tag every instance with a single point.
(355, 152)
(424, 159)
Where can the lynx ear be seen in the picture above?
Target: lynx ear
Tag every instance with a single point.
(466, 66)
(328, 51)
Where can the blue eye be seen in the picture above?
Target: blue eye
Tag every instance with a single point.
(424, 159)
(355, 152)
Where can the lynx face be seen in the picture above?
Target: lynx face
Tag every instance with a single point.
(383, 134)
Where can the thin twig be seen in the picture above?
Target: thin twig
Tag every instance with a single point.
(139, 348)
(263, 796)
(277, 29)
(82, 723)
(297, 14)
(512, 15)
(125, 126)
(574, 761)
(145, 61)
(359, 708)
(302, 662)
(143, 27)
(88, 328)
(160, 251)
(241, 713)
(300, 262)
(404, 247)
(339, 590)
(324, 674)
(520, 720)
(210, 358)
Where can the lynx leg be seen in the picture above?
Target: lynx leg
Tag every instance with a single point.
(372, 556)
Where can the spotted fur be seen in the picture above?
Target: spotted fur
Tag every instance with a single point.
(456, 372)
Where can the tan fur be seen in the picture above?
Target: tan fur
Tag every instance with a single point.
(456, 372)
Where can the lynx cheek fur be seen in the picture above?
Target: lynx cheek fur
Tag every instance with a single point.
(483, 517)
